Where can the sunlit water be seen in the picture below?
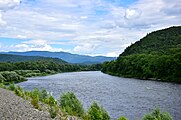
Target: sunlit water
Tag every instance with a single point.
(119, 96)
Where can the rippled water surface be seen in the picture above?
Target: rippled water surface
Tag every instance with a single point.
(119, 96)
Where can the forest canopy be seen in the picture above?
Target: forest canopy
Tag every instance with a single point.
(156, 56)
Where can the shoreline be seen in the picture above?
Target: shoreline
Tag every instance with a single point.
(143, 79)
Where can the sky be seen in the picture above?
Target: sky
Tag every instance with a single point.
(87, 27)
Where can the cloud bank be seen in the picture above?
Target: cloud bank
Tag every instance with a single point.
(92, 27)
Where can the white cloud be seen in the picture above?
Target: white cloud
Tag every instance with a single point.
(34, 45)
(83, 17)
(2, 22)
(8, 4)
(36, 42)
(21, 36)
(112, 54)
(91, 26)
(132, 13)
(86, 48)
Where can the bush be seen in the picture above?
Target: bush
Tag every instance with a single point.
(2, 86)
(52, 101)
(157, 115)
(35, 93)
(34, 102)
(53, 112)
(122, 118)
(96, 112)
(19, 91)
(71, 104)
(43, 95)
(12, 77)
(11, 87)
(2, 79)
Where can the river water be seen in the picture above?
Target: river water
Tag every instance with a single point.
(119, 96)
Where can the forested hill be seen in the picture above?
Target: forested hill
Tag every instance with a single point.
(158, 41)
(19, 58)
(156, 56)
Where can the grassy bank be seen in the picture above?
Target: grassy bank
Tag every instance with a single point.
(16, 76)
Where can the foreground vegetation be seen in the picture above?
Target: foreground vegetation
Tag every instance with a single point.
(69, 107)
(18, 71)
(156, 56)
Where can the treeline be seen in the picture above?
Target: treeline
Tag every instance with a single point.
(146, 66)
(16, 71)
(70, 107)
(157, 56)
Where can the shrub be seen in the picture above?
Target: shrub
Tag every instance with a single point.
(71, 104)
(2, 86)
(2, 79)
(53, 112)
(52, 101)
(43, 95)
(12, 76)
(19, 91)
(122, 118)
(35, 93)
(157, 115)
(11, 87)
(96, 112)
(34, 102)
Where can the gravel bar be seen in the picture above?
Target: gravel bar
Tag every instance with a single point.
(13, 107)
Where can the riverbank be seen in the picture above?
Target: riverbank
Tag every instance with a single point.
(13, 107)
(141, 78)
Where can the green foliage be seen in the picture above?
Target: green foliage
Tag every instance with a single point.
(122, 118)
(19, 91)
(12, 87)
(2, 79)
(35, 102)
(10, 77)
(96, 112)
(43, 95)
(52, 101)
(53, 112)
(35, 97)
(35, 93)
(157, 115)
(71, 104)
(2, 86)
(158, 59)
(156, 42)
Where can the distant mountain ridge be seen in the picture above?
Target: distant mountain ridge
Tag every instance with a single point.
(68, 57)
(20, 58)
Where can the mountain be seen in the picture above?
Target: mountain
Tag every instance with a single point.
(20, 58)
(71, 58)
(157, 56)
(157, 41)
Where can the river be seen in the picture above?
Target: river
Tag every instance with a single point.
(119, 96)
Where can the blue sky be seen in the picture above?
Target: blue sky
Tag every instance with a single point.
(90, 27)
